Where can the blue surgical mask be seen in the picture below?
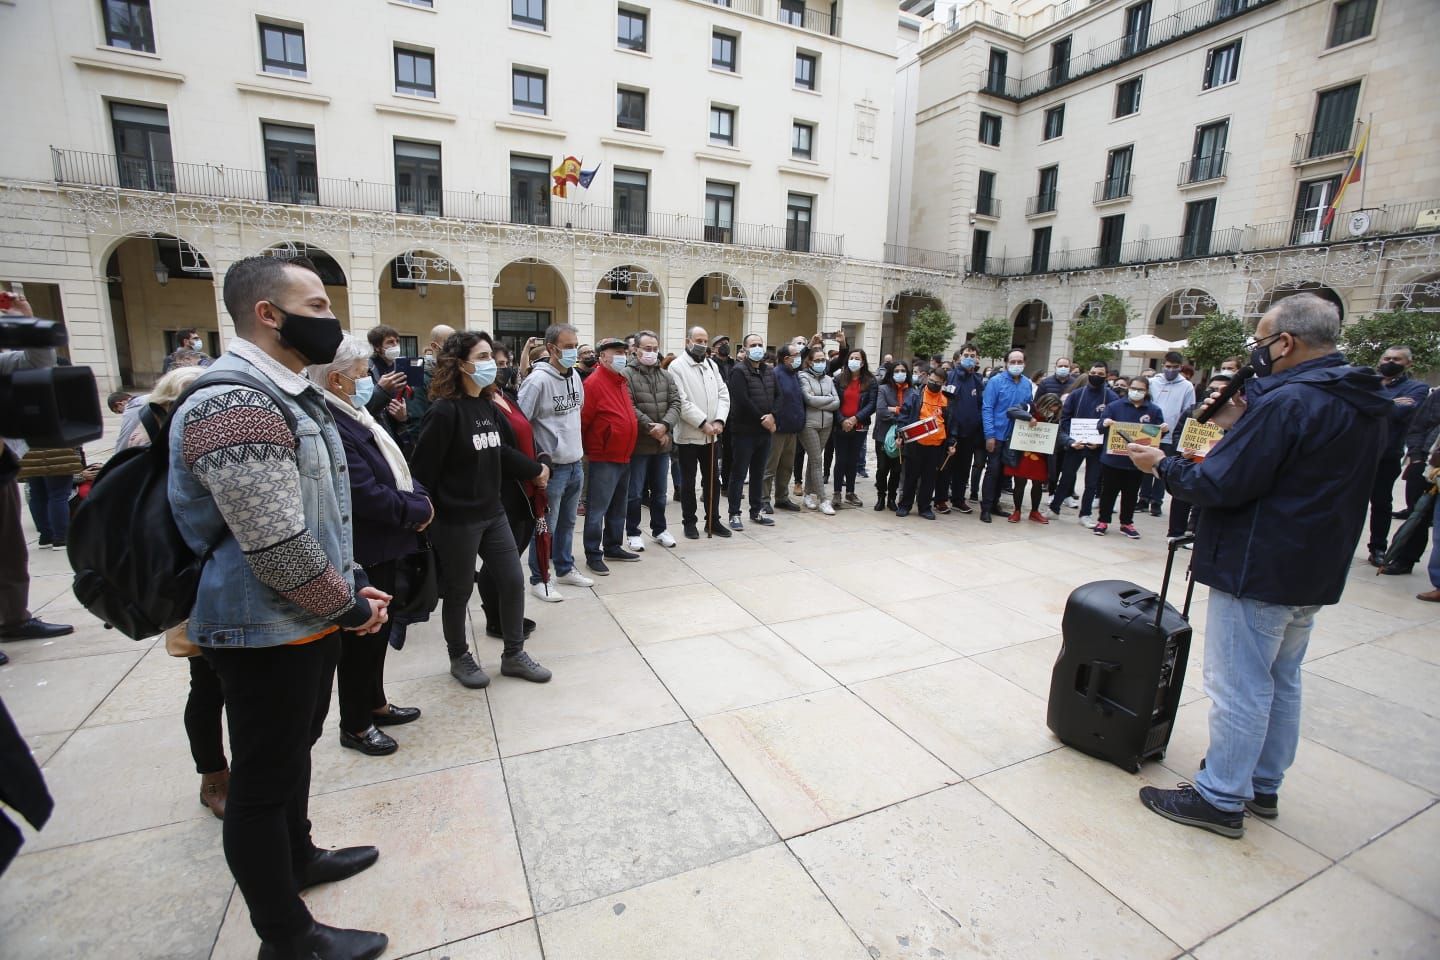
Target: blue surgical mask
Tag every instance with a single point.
(617, 362)
(364, 390)
(968, 363)
(756, 354)
(901, 376)
(795, 362)
(854, 366)
(569, 357)
(1016, 369)
(484, 373)
(819, 366)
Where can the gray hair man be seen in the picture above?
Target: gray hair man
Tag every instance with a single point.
(1405, 394)
(657, 410)
(704, 406)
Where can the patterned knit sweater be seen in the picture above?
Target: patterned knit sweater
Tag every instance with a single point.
(239, 447)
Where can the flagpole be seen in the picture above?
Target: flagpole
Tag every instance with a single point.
(1369, 129)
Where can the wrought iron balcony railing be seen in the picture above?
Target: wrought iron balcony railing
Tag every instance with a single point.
(1325, 142)
(987, 206)
(917, 257)
(816, 21)
(1042, 203)
(1210, 166)
(1113, 188)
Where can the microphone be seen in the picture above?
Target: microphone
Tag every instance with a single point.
(1236, 384)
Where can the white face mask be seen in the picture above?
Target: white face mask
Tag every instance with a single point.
(429, 360)
(1137, 395)
(649, 357)
(1062, 372)
(392, 353)
(195, 344)
(854, 366)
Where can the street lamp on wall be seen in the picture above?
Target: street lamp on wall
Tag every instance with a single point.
(530, 292)
(162, 272)
(715, 303)
(423, 289)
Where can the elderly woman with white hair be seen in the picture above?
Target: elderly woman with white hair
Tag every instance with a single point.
(390, 509)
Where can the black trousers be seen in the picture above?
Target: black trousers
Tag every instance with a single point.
(1122, 483)
(1037, 491)
(749, 453)
(522, 528)
(848, 447)
(1415, 487)
(276, 699)
(1069, 471)
(922, 463)
(951, 483)
(456, 546)
(1382, 501)
(361, 673)
(704, 459)
(887, 474)
(14, 560)
(994, 479)
(203, 711)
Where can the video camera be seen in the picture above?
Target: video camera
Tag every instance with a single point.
(50, 407)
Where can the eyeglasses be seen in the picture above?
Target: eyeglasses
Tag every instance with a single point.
(1255, 344)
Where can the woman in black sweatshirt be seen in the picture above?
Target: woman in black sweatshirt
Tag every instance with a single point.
(462, 459)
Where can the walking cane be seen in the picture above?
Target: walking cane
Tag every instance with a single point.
(710, 492)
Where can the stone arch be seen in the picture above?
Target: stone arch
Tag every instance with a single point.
(155, 288)
(898, 311)
(331, 271)
(1033, 325)
(796, 309)
(1176, 311)
(530, 293)
(716, 301)
(628, 298)
(1280, 292)
(418, 290)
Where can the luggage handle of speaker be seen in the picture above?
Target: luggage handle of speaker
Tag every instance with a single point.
(1175, 545)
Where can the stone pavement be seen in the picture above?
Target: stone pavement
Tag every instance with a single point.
(821, 740)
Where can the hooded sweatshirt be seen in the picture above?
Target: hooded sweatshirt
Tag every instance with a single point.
(551, 401)
(1284, 492)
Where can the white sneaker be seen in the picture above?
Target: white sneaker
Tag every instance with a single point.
(1087, 522)
(1073, 503)
(812, 502)
(663, 538)
(634, 543)
(827, 508)
(546, 592)
(576, 579)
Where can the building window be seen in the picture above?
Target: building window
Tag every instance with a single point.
(990, 129)
(792, 12)
(1313, 200)
(1127, 97)
(527, 91)
(798, 208)
(631, 31)
(632, 201)
(1207, 158)
(723, 47)
(1199, 224)
(528, 13)
(142, 147)
(282, 50)
(417, 178)
(802, 140)
(529, 189)
(415, 72)
(1353, 20)
(1047, 190)
(979, 251)
(127, 25)
(1117, 174)
(1334, 123)
(1112, 232)
(995, 74)
(985, 203)
(806, 70)
(1137, 28)
(722, 125)
(1054, 122)
(719, 211)
(1060, 61)
(630, 109)
(1040, 250)
(1222, 65)
(291, 172)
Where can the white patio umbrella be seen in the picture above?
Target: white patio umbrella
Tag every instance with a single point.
(1145, 343)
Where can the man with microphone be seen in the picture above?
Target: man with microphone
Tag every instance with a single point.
(1283, 498)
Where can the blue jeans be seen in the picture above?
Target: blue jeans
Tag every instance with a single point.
(1253, 652)
(605, 503)
(50, 506)
(1435, 551)
(564, 495)
(647, 471)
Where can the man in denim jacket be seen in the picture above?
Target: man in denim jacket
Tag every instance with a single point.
(268, 505)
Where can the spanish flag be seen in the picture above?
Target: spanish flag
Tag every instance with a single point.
(567, 173)
(1357, 170)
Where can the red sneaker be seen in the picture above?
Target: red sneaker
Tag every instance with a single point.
(1015, 517)
(1037, 517)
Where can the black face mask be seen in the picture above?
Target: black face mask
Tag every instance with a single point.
(1260, 359)
(723, 350)
(503, 376)
(932, 387)
(696, 351)
(314, 338)
(1097, 381)
(1391, 368)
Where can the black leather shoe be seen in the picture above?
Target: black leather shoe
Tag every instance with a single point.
(1377, 558)
(1397, 569)
(494, 631)
(984, 514)
(332, 866)
(692, 532)
(372, 742)
(35, 629)
(4, 659)
(328, 943)
(393, 716)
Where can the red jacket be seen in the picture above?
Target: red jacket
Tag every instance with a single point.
(607, 418)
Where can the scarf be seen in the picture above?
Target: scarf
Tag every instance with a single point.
(389, 449)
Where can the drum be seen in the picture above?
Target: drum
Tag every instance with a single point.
(920, 429)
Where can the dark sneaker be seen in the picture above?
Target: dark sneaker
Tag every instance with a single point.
(1377, 558)
(942, 506)
(1156, 510)
(1185, 805)
(1142, 506)
(44, 540)
(853, 500)
(984, 514)
(927, 515)
(692, 532)
(1100, 529)
(879, 504)
(468, 672)
(788, 505)
(523, 666)
(1129, 530)
(624, 556)
(735, 523)
(963, 506)
(902, 511)
(1265, 805)
(598, 567)
(766, 507)
(719, 530)
(761, 519)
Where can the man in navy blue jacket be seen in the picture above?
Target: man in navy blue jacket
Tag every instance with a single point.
(789, 421)
(1086, 402)
(1283, 497)
(964, 429)
(1405, 395)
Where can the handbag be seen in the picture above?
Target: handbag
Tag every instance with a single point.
(177, 641)
(417, 587)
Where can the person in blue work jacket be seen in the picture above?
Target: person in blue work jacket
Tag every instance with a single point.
(1086, 401)
(964, 428)
(1118, 476)
(1006, 389)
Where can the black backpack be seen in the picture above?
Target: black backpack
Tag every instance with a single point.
(133, 569)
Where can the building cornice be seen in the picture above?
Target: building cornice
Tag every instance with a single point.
(510, 127)
(129, 69)
(632, 144)
(406, 110)
(262, 90)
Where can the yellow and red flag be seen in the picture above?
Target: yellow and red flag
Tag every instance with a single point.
(1356, 171)
(567, 173)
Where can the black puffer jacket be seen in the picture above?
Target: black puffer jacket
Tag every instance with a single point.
(1424, 427)
(752, 395)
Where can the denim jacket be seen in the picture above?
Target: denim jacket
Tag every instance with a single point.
(233, 608)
